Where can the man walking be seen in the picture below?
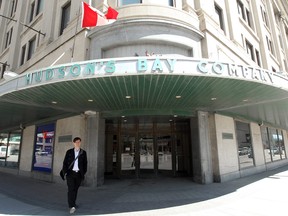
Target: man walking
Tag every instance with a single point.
(75, 165)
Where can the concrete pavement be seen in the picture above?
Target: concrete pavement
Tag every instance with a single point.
(258, 195)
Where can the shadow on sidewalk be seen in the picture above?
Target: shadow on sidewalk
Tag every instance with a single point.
(128, 195)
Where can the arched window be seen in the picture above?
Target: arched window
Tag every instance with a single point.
(164, 2)
(127, 2)
(160, 2)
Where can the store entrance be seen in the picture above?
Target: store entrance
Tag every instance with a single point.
(147, 148)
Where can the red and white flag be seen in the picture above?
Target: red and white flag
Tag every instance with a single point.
(92, 17)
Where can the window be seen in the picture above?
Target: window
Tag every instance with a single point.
(241, 9)
(248, 18)
(31, 48)
(270, 45)
(257, 57)
(244, 13)
(36, 8)
(266, 144)
(10, 148)
(4, 65)
(249, 49)
(219, 13)
(23, 52)
(13, 7)
(264, 17)
(8, 38)
(65, 17)
(245, 148)
(127, 2)
(39, 7)
(273, 143)
(164, 2)
(32, 7)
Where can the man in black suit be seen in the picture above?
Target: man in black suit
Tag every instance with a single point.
(76, 170)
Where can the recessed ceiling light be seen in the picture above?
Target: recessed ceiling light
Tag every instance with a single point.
(245, 100)
(54, 102)
(178, 96)
(128, 97)
(170, 120)
(175, 116)
(90, 100)
(214, 98)
(123, 116)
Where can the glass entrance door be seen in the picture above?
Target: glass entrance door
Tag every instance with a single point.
(128, 153)
(146, 152)
(137, 147)
(164, 147)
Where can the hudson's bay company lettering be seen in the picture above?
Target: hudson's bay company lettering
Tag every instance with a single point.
(185, 66)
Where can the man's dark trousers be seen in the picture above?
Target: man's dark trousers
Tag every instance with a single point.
(73, 182)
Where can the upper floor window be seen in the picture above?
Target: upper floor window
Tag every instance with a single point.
(39, 7)
(4, 65)
(257, 55)
(264, 16)
(36, 7)
(32, 8)
(270, 45)
(164, 2)
(249, 49)
(23, 52)
(13, 7)
(159, 2)
(8, 38)
(65, 17)
(244, 12)
(219, 13)
(241, 9)
(31, 47)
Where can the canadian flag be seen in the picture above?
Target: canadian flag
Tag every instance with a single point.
(92, 17)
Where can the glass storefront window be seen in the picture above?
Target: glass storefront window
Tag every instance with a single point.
(43, 148)
(10, 148)
(273, 144)
(276, 144)
(266, 144)
(245, 148)
(281, 145)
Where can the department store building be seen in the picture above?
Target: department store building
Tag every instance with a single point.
(173, 88)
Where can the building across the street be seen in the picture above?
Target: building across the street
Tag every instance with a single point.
(171, 88)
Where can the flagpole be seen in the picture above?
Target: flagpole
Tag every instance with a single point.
(74, 39)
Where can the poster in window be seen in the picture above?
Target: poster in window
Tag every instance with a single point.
(43, 148)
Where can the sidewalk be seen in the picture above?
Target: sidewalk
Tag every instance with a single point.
(258, 195)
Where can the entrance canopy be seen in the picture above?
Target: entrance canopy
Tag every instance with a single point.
(157, 85)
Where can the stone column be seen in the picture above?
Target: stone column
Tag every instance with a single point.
(205, 154)
(95, 146)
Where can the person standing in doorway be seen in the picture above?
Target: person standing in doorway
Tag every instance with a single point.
(75, 165)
